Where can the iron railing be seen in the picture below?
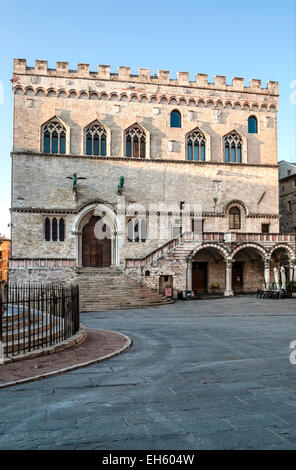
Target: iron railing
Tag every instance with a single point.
(36, 316)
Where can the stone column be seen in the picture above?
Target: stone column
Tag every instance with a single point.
(228, 291)
(189, 275)
(292, 269)
(78, 247)
(267, 263)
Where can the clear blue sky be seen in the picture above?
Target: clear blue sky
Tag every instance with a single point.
(250, 39)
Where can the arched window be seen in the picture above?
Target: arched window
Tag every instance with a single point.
(252, 125)
(175, 118)
(61, 230)
(54, 229)
(47, 229)
(234, 218)
(96, 140)
(54, 137)
(135, 142)
(136, 230)
(196, 145)
(233, 148)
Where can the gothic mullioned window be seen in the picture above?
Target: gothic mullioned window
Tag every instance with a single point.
(54, 229)
(135, 142)
(233, 148)
(196, 145)
(54, 137)
(96, 140)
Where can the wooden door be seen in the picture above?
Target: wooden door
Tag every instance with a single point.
(95, 253)
(237, 277)
(199, 277)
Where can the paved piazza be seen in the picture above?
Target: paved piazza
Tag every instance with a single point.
(210, 374)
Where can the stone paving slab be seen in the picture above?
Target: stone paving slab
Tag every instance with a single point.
(211, 374)
(99, 345)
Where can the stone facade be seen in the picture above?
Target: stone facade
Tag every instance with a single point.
(164, 184)
(287, 192)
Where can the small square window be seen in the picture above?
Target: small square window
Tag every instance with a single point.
(265, 228)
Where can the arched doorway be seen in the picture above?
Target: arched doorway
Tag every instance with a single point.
(208, 271)
(248, 269)
(96, 252)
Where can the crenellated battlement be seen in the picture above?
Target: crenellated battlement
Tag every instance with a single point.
(144, 76)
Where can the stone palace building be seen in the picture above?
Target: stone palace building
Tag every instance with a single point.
(180, 176)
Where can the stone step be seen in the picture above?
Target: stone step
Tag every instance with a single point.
(35, 340)
(109, 289)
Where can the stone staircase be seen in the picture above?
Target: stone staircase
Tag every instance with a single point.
(102, 289)
(21, 334)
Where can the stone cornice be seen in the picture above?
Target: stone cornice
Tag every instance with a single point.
(63, 211)
(143, 160)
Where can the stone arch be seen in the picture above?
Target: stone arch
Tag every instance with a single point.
(163, 100)
(72, 94)
(192, 102)
(173, 100)
(182, 102)
(153, 99)
(235, 202)
(93, 95)
(143, 99)
(103, 96)
(18, 90)
(206, 268)
(29, 91)
(123, 97)
(223, 251)
(228, 105)
(51, 92)
(83, 95)
(134, 98)
(262, 251)
(210, 104)
(283, 246)
(114, 97)
(40, 92)
(83, 218)
(62, 93)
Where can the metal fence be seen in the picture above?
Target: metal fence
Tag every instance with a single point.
(36, 316)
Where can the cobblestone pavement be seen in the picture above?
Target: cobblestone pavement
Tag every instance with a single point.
(212, 374)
